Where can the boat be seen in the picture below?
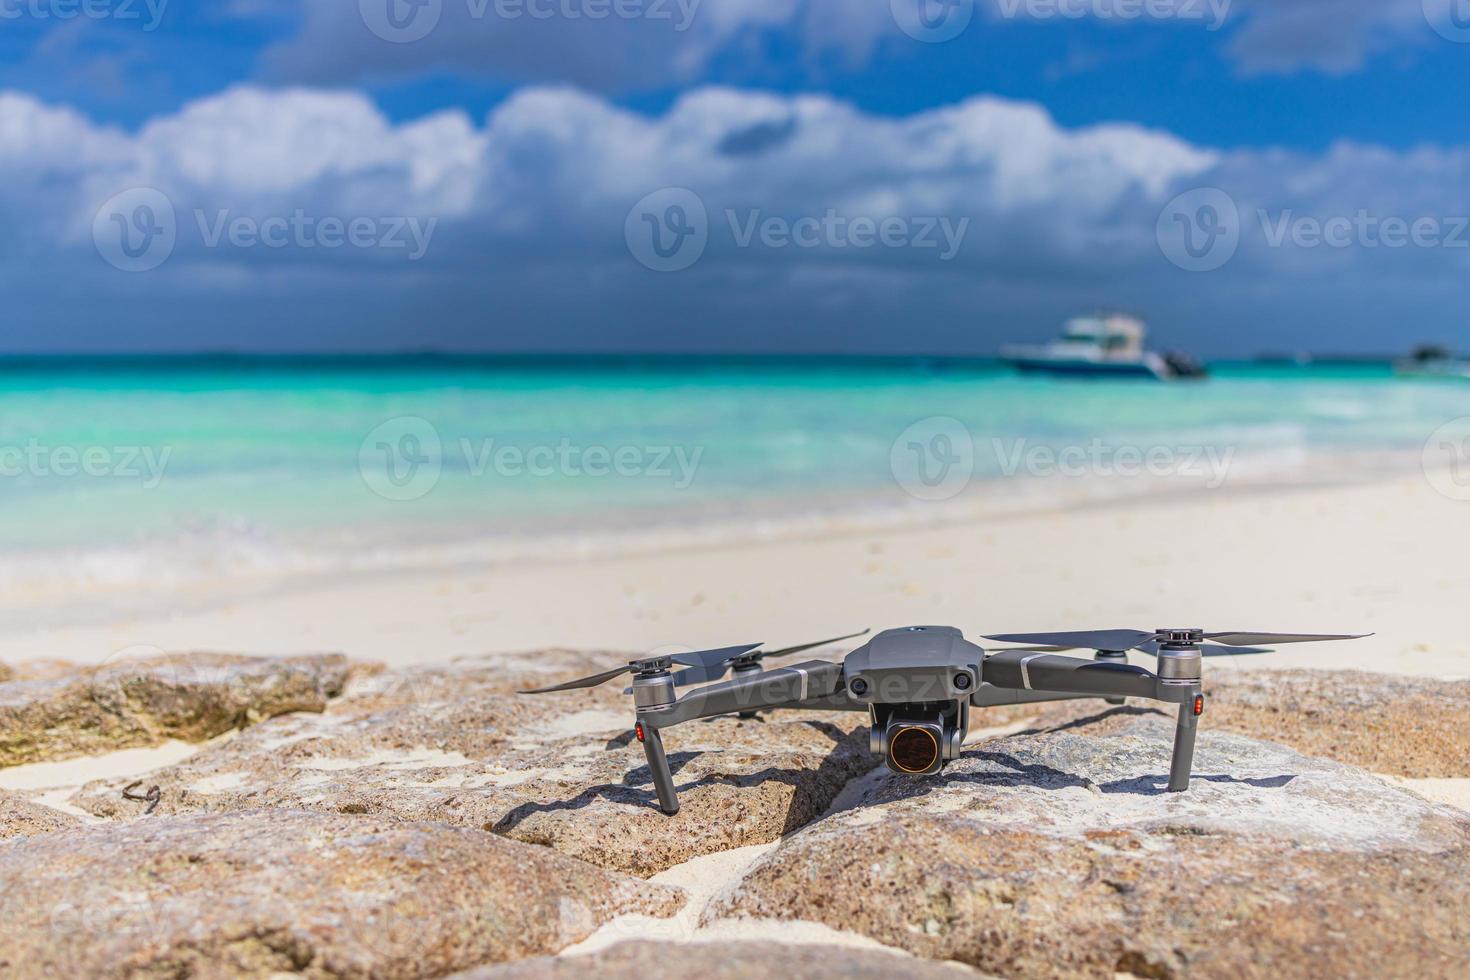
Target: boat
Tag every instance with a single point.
(1433, 361)
(1104, 346)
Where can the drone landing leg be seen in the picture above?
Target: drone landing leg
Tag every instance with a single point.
(1184, 746)
(658, 764)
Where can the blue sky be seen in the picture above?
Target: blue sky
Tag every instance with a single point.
(329, 182)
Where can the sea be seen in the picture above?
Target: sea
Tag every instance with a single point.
(136, 482)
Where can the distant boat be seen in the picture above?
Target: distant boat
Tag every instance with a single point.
(1433, 361)
(1109, 346)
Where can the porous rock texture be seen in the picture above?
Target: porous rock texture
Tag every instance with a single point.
(456, 744)
(20, 817)
(753, 960)
(144, 702)
(259, 894)
(1059, 854)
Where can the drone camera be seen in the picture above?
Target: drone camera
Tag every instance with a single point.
(915, 748)
(916, 740)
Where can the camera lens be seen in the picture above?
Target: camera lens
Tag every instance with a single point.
(858, 686)
(961, 682)
(913, 750)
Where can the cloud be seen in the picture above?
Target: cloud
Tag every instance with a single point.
(618, 46)
(1335, 37)
(1000, 219)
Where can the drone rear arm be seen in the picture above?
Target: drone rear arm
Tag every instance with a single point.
(1045, 677)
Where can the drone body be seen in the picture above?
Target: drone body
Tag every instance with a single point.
(918, 683)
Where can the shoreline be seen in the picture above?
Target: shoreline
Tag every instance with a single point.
(384, 553)
(1239, 557)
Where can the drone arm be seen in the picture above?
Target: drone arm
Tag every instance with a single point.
(816, 684)
(990, 696)
(1020, 670)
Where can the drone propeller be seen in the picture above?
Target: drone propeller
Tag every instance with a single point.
(715, 670)
(699, 659)
(1222, 644)
(702, 665)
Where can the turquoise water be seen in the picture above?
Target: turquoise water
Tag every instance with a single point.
(210, 464)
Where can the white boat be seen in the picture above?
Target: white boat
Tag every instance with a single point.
(1108, 346)
(1431, 361)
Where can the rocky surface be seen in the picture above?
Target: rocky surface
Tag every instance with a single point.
(1403, 726)
(724, 961)
(20, 817)
(1059, 854)
(456, 745)
(135, 703)
(257, 894)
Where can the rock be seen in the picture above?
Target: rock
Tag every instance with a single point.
(456, 745)
(1403, 726)
(257, 894)
(723, 961)
(20, 817)
(137, 703)
(1059, 854)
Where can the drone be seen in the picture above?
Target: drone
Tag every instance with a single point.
(918, 684)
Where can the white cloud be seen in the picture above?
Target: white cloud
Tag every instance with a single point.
(675, 43)
(529, 209)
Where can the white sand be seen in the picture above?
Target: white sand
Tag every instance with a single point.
(1378, 558)
(1455, 792)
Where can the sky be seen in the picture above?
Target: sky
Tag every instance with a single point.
(803, 176)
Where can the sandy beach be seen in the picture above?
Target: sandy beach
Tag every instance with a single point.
(1364, 558)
